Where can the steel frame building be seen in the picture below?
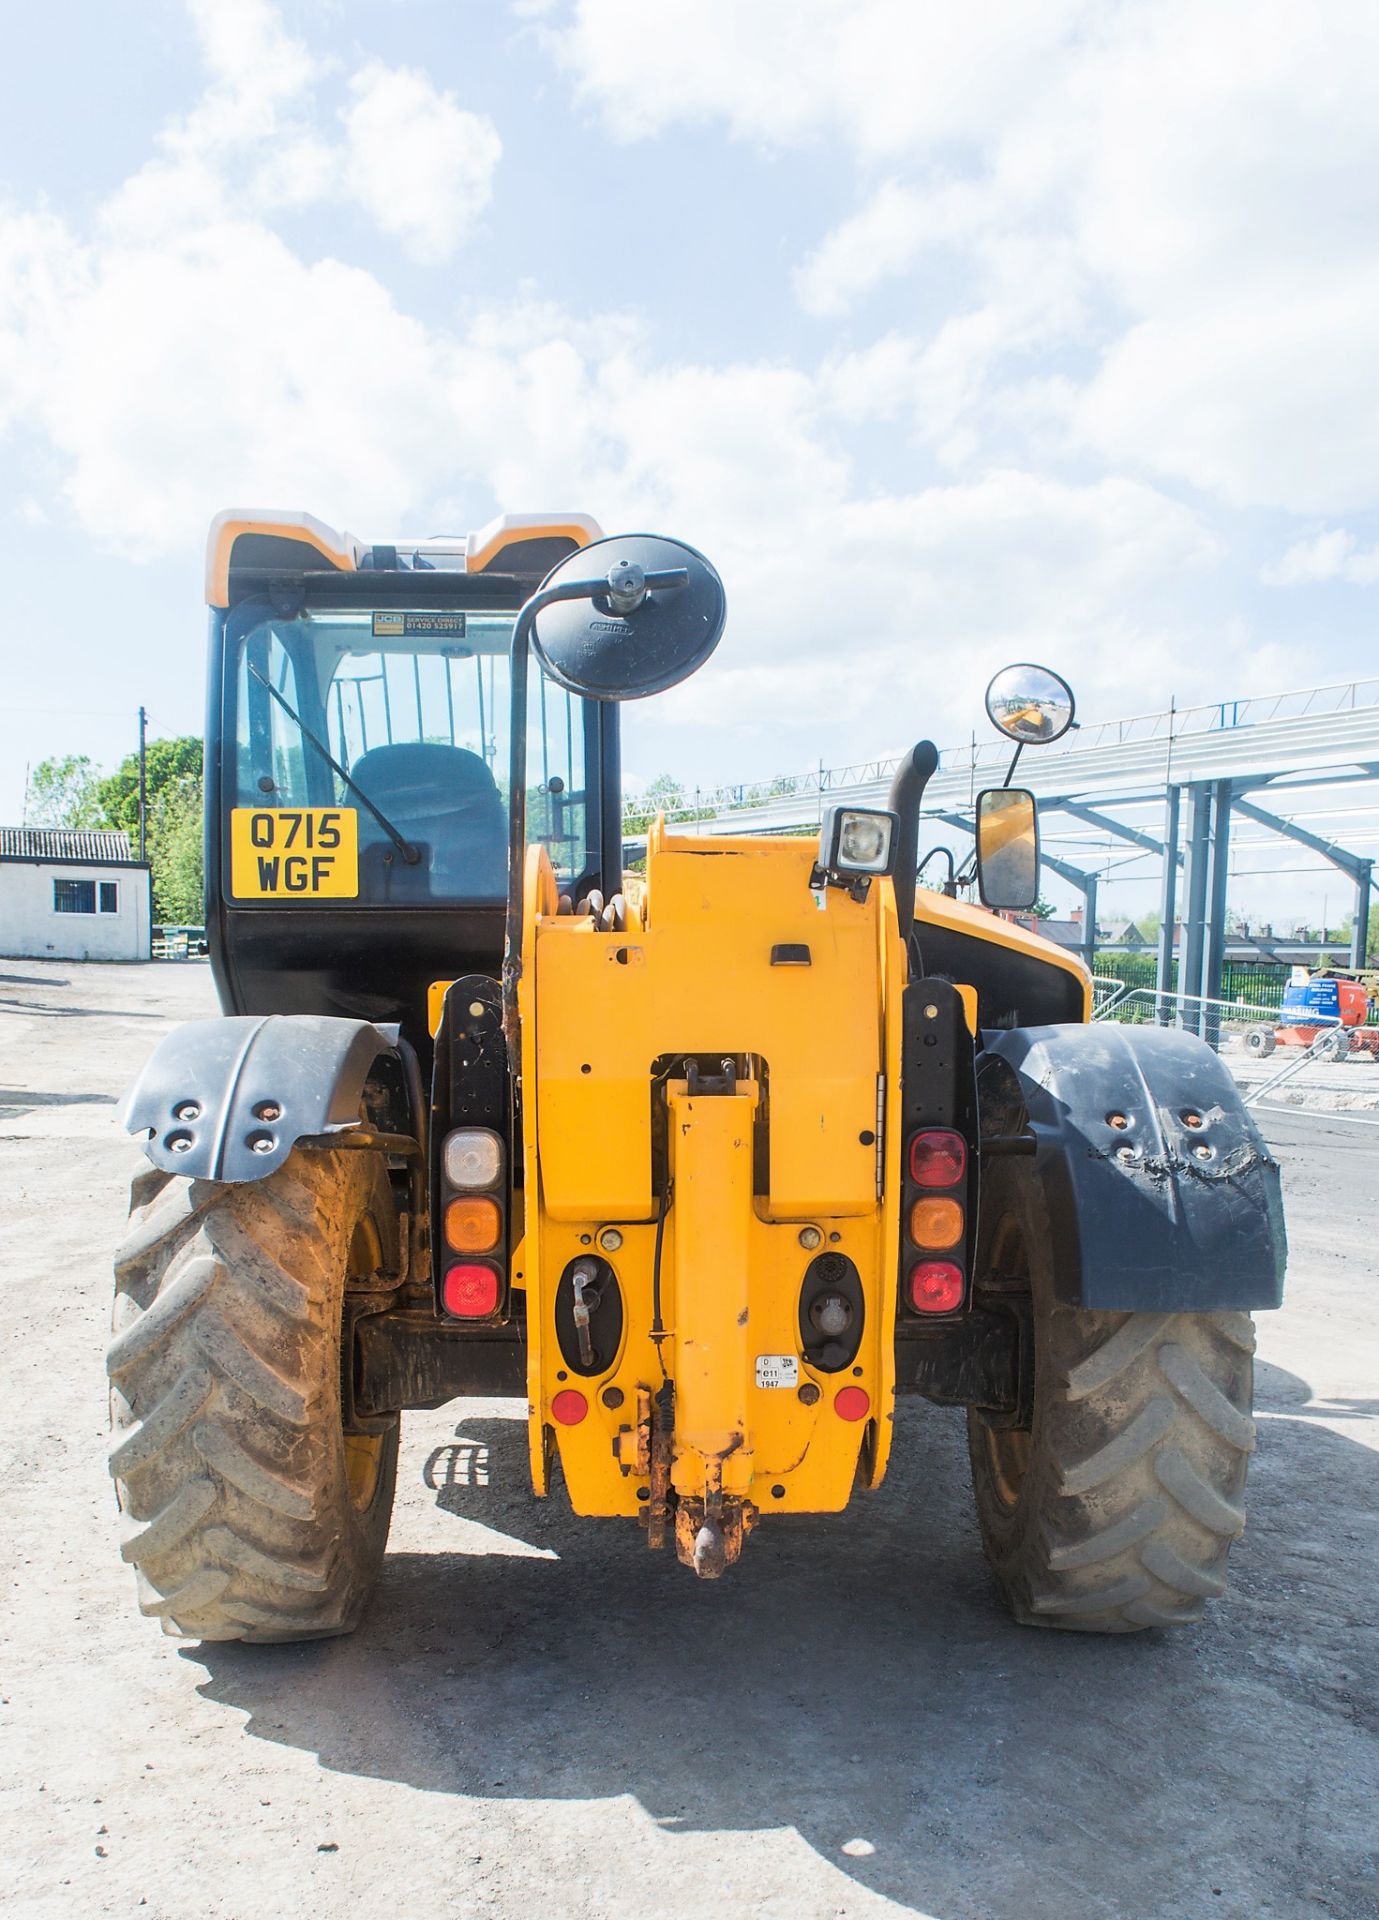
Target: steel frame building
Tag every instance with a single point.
(1172, 786)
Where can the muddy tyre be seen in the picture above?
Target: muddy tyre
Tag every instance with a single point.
(1116, 1508)
(248, 1512)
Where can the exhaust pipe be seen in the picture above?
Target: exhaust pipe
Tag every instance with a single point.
(906, 797)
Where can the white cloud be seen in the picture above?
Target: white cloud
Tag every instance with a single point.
(886, 75)
(135, 367)
(181, 355)
(418, 163)
(885, 236)
(1260, 404)
(249, 53)
(143, 368)
(247, 146)
(38, 273)
(1178, 200)
(1331, 555)
(411, 158)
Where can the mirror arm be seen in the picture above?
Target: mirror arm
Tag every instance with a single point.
(519, 657)
(950, 885)
(668, 578)
(905, 798)
(1014, 763)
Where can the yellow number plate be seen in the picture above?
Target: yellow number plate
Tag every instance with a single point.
(294, 853)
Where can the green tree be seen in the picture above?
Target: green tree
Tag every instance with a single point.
(169, 763)
(64, 791)
(175, 855)
(173, 787)
(1347, 928)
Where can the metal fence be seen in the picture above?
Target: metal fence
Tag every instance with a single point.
(178, 943)
(1214, 1019)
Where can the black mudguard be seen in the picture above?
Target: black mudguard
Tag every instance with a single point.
(228, 1099)
(1162, 1196)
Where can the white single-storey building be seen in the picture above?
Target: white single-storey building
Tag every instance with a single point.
(69, 894)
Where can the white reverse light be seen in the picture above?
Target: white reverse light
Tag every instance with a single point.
(473, 1157)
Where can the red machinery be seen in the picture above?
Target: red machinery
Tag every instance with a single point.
(1328, 1003)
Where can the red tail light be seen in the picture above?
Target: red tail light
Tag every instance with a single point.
(569, 1407)
(852, 1403)
(938, 1158)
(470, 1291)
(935, 1286)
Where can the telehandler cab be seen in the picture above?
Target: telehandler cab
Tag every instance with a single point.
(709, 1163)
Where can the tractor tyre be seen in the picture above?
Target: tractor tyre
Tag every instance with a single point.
(249, 1513)
(1115, 1509)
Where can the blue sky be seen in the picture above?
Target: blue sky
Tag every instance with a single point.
(952, 335)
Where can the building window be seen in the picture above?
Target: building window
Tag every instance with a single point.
(74, 896)
(110, 896)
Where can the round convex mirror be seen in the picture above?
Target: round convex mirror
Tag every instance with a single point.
(1031, 704)
(653, 619)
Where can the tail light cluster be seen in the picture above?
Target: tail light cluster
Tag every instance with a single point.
(473, 1263)
(935, 1191)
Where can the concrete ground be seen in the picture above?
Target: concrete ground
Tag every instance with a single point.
(540, 1718)
(1325, 1086)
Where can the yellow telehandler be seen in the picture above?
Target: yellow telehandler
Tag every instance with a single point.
(710, 1163)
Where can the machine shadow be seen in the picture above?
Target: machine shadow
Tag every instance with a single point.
(21, 1097)
(76, 1013)
(856, 1679)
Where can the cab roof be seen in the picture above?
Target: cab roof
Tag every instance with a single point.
(270, 541)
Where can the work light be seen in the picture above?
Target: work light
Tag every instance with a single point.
(857, 840)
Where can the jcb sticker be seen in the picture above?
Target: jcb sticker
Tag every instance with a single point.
(294, 853)
(389, 626)
(778, 1370)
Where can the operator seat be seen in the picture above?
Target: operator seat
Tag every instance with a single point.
(446, 802)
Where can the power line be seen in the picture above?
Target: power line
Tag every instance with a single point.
(74, 713)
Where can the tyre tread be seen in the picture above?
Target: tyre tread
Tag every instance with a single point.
(225, 1382)
(1141, 1440)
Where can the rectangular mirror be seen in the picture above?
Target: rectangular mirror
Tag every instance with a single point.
(1007, 848)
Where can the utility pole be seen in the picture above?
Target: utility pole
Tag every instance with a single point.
(143, 786)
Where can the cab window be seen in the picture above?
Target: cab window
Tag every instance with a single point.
(413, 706)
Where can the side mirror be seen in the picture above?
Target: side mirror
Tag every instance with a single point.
(1007, 848)
(651, 616)
(1030, 704)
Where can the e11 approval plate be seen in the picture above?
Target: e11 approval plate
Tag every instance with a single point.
(294, 853)
(778, 1370)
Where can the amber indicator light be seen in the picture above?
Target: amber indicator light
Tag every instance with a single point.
(473, 1224)
(936, 1222)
